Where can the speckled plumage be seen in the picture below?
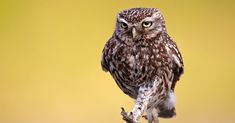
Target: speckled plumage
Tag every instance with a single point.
(145, 63)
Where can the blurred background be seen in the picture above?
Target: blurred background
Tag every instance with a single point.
(50, 54)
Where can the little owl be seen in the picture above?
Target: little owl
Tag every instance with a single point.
(145, 63)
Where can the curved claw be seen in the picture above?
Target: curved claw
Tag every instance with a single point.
(145, 117)
(127, 117)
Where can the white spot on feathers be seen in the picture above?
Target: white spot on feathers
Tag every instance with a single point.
(132, 60)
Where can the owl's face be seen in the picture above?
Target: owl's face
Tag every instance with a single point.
(139, 23)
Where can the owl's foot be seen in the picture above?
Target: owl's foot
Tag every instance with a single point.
(145, 117)
(128, 117)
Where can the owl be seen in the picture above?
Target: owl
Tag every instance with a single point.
(144, 62)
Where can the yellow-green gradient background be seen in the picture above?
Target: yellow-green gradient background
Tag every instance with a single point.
(50, 60)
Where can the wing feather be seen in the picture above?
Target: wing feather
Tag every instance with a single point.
(178, 69)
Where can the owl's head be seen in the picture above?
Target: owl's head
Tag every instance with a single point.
(136, 23)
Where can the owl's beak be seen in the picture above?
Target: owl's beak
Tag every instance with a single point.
(134, 33)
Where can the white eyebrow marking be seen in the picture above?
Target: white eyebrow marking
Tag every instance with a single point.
(122, 20)
(155, 15)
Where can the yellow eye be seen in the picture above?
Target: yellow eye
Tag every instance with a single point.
(124, 25)
(147, 24)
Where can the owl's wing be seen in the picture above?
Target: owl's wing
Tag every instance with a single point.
(104, 64)
(178, 65)
(105, 56)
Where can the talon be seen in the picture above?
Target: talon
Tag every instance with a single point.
(122, 109)
(145, 117)
(131, 113)
(128, 117)
(123, 112)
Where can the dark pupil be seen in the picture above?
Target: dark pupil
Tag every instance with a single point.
(124, 25)
(146, 23)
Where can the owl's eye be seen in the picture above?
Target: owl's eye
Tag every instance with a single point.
(124, 25)
(147, 24)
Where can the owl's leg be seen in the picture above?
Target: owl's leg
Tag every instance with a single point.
(145, 93)
(152, 115)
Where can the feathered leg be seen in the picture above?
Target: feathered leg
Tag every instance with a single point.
(149, 116)
(152, 115)
(145, 93)
(155, 115)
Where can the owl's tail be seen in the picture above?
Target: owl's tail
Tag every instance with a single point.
(167, 109)
(167, 113)
(164, 110)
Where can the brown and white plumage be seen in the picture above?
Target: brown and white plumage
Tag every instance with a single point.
(145, 63)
